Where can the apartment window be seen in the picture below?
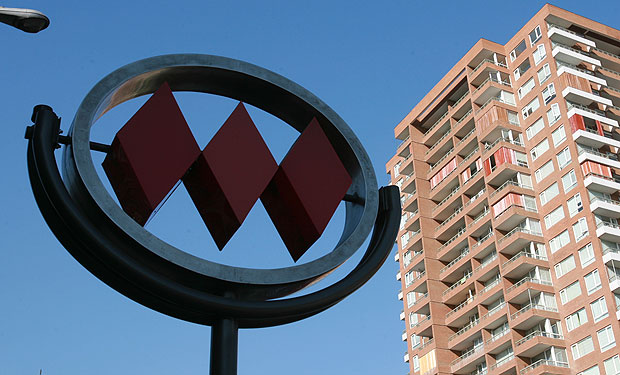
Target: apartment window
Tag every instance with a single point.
(535, 35)
(586, 255)
(544, 73)
(407, 258)
(612, 365)
(409, 277)
(582, 348)
(606, 339)
(544, 171)
(530, 108)
(593, 281)
(580, 229)
(558, 136)
(525, 65)
(570, 292)
(569, 181)
(416, 363)
(559, 241)
(411, 298)
(553, 114)
(576, 319)
(526, 88)
(548, 93)
(564, 266)
(591, 371)
(563, 158)
(539, 54)
(513, 118)
(539, 149)
(599, 309)
(554, 217)
(533, 129)
(404, 239)
(415, 341)
(517, 51)
(574, 205)
(549, 193)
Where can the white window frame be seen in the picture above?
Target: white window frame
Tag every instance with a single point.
(608, 334)
(548, 93)
(549, 193)
(586, 255)
(553, 114)
(546, 70)
(592, 281)
(563, 293)
(539, 54)
(572, 179)
(601, 304)
(537, 34)
(557, 140)
(580, 225)
(576, 319)
(574, 204)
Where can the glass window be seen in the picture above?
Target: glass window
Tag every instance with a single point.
(416, 363)
(570, 292)
(553, 114)
(415, 341)
(530, 108)
(532, 130)
(566, 265)
(576, 319)
(554, 217)
(558, 135)
(559, 241)
(563, 158)
(539, 54)
(549, 193)
(586, 255)
(591, 371)
(548, 95)
(535, 35)
(517, 51)
(544, 73)
(580, 229)
(574, 205)
(513, 118)
(606, 339)
(612, 365)
(525, 65)
(569, 181)
(526, 88)
(593, 282)
(582, 347)
(539, 149)
(544, 171)
(599, 309)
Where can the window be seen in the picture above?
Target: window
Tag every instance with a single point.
(517, 51)
(526, 88)
(513, 118)
(544, 73)
(576, 319)
(580, 229)
(553, 114)
(544, 171)
(415, 341)
(612, 365)
(563, 158)
(586, 255)
(565, 266)
(570, 292)
(539, 149)
(416, 363)
(558, 135)
(525, 65)
(539, 54)
(554, 217)
(530, 108)
(599, 309)
(606, 339)
(582, 348)
(535, 35)
(534, 128)
(407, 258)
(559, 241)
(411, 298)
(569, 180)
(593, 282)
(548, 93)
(409, 278)
(591, 371)
(574, 205)
(549, 193)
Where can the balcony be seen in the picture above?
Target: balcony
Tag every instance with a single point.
(545, 366)
(430, 135)
(459, 315)
(509, 186)
(444, 250)
(466, 363)
(486, 65)
(611, 257)
(454, 261)
(504, 172)
(608, 231)
(608, 59)
(495, 317)
(520, 292)
(498, 342)
(458, 290)
(585, 98)
(605, 207)
(591, 138)
(419, 303)
(423, 327)
(605, 158)
(531, 315)
(490, 88)
(406, 357)
(454, 345)
(611, 76)
(515, 240)
(579, 72)
(561, 35)
(506, 142)
(570, 55)
(513, 215)
(522, 263)
(503, 366)
(537, 342)
(491, 100)
(614, 283)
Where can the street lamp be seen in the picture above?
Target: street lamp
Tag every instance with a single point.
(28, 20)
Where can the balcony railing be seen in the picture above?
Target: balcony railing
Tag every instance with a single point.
(403, 142)
(461, 305)
(609, 70)
(485, 263)
(606, 53)
(426, 318)
(465, 137)
(458, 283)
(541, 362)
(477, 219)
(467, 354)
(438, 141)
(427, 343)
(575, 68)
(557, 44)
(532, 306)
(501, 362)
(497, 336)
(491, 285)
(610, 201)
(607, 155)
(462, 118)
(441, 159)
(523, 254)
(607, 224)
(415, 302)
(469, 326)
(460, 99)
(528, 279)
(474, 197)
(454, 191)
(436, 123)
(539, 333)
(519, 205)
(455, 260)
(469, 156)
(509, 183)
(518, 230)
(491, 79)
(564, 29)
(493, 310)
(519, 163)
(480, 241)
(502, 139)
(447, 243)
(456, 212)
(487, 61)
(571, 105)
(495, 98)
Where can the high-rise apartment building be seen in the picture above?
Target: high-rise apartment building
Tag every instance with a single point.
(509, 247)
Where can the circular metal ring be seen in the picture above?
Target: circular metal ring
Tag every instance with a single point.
(250, 84)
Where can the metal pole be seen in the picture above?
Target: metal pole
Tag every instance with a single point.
(224, 347)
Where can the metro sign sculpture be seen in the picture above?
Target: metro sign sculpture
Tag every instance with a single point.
(155, 150)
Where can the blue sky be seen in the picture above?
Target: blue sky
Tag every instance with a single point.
(370, 61)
